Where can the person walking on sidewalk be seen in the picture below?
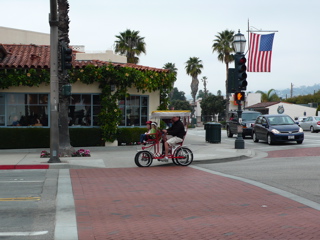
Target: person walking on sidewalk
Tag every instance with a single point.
(173, 135)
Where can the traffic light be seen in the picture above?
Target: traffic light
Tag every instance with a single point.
(66, 90)
(241, 68)
(239, 96)
(66, 56)
(232, 81)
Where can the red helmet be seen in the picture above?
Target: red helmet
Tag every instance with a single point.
(148, 122)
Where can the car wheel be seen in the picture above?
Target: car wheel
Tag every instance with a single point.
(254, 137)
(299, 142)
(229, 133)
(312, 129)
(270, 142)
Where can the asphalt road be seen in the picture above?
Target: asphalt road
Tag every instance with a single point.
(27, 207)
(297, 175)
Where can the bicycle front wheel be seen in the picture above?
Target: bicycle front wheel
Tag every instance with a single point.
(143, 159)
(183, 156)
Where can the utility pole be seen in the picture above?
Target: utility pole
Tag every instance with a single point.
(54, 84)
(204, 80)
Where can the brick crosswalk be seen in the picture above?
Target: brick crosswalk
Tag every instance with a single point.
(298, 152)
(173, 202)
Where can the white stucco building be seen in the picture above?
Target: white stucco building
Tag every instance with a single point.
(293, 110)
(28, 49)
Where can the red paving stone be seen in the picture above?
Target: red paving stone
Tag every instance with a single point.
(298, 152)
(183, 203)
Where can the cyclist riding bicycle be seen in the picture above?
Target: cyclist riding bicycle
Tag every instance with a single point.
(173, 135)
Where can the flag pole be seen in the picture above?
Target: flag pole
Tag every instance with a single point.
(248, 39)
(257, 30)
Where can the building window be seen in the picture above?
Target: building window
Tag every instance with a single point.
(32, 109)
(134, 110)
(84, 109)
(2, 110)
(26, 109)
(23, 109)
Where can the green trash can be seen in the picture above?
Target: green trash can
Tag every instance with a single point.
(213, 132)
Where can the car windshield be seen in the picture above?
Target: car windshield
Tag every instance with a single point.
(250, 116)
(280, 120)
(317, 118)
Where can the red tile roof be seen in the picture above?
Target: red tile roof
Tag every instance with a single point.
(38, 56)
(262, 105)
(24, 56)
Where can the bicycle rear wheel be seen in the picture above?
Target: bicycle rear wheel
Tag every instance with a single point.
(183, 156)
(143, 159)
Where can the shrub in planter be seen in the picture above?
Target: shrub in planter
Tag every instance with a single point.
(85, 137)
(129, 136)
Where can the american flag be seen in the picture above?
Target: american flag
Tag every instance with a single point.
(260, 52)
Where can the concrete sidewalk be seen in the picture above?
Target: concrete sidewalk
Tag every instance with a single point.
(121, 156)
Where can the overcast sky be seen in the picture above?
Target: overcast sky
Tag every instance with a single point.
(176, 30)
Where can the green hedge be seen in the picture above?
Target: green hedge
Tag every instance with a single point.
(15, 138)
(130, 136)
(19, 138)
(85, 137)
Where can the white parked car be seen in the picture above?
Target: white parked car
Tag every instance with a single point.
(298, 120)
(311, 123)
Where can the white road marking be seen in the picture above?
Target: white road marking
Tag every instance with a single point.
(21, 181)
(10, 234)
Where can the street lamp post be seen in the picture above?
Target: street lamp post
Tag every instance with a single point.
(239, 44)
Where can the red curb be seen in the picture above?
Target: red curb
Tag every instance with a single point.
(12, 167)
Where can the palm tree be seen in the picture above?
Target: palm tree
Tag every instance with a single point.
(193, 68)
(65, 148)
(171, 67)
(131, 45)
(223, 46)
(269, 96)
(204, 80)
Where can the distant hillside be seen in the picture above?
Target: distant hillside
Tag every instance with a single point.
(302, 90)
(286, 93)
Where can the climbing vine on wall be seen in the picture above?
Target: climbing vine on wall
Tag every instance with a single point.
(23, 77)
(121, 77)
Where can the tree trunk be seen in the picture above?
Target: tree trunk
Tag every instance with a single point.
(194, 90)
(194, 87)
(65, 148)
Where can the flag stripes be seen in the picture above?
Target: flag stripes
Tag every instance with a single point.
(260, 52)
